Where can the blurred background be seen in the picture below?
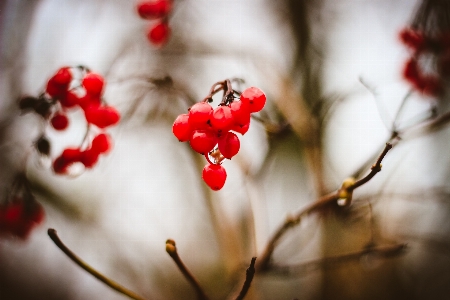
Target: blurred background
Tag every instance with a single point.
(332, 73)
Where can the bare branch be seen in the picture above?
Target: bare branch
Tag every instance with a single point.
(112, 284)
(248, 279)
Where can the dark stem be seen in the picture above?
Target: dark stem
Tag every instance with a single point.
(112, 284)
(249, 273)
(171, 249)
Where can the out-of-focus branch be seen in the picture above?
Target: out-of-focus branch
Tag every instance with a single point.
(345, 192)
(112, 284)
(171, 249)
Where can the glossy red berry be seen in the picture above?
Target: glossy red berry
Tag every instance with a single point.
(181, 128)
(70, 99)
(59, 121)
(199, 115)
(89, 157)
(101, 143)
(59, 83)
(93, 83)
(154, 9)
(159, 33)
(229, 145)
(221, 118)
(241, 129)
(203, 140)
(102, 116)
(214, 176)
(241, 112)
(254, 97)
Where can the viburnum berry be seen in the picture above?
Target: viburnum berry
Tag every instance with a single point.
(89, 157)
(159, 33)
(214, 176)
(241, 129)
(221, 118)
(181, 128)
(19, 218)
(203, 140)
(413, 39)
(229, 145)
(59, 121)
(68, 157)
(254, 97)
(199, 114)
(241, 112)
(93, 83)
(101, 143)
(102, 116)
(70, 99)
(154, 9)
(59, 83)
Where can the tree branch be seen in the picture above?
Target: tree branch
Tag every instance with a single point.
(112, 284)
(248, 279)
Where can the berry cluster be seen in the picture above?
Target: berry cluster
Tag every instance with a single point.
(21, 213)
(212, 131)
(431, 51)
(158, 10)
(72, 88)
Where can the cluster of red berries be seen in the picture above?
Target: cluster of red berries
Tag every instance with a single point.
(435, 48)
(73, 88)
(21, 214)
(212, 131)
(158, 10)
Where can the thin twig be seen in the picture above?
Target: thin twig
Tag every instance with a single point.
(249, 273)
(263, 262)
(171, 249)
(112, 284)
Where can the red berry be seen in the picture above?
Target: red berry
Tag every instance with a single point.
(59, 121)
(101, 143)
(411, 71)
(70, 99)
(181, 128)
(59, 83)
(60, 165)
(229, 145)
(71, 155)
(93, 83)
(154, 9)
(89, 157)
(221, 118)
(413, 39)
(241, 112)
(241, 129)
(255, 97)
(214, 176)
(89, 100)
(159, 33)
(199, 115)
(203, 140)
(102, 116)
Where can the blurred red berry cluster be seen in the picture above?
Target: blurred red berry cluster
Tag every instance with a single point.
(72, 88)
(212, 131)
(157, 10)
(20, 213)
(429, 64)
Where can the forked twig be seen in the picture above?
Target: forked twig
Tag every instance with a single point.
(345, 192)
(109, 282)
(171, 249)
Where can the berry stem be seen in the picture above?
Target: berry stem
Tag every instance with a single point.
(114, 285)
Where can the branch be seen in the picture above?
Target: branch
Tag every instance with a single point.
(248, 279)
(171, 249)
(112, 284)
(345, 192)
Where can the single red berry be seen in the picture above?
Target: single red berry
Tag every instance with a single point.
(59, 121)
(241, 112)
(214, 176)
(181, 128)
(203, 140)
(59, 83)
(101, 143)
(89, 157)
(71, 155)
(102, 116)
(159, 33)
(241, 129)
(199, 115)
(154, 9)
(229, 145)
(70, 99)
(254, 97)
(411, 71)
(413, 39)
(60, 165)
(87, 101)
(93, 83)
(221, 118)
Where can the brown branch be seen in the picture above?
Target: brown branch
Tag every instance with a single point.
(344, 192)
(249, 273)
(171, 249)
(112, 284)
